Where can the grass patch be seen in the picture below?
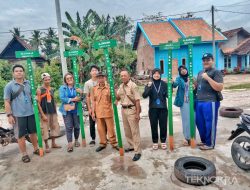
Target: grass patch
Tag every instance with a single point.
(239, 86)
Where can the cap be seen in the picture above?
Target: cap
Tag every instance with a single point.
(207, 56)
(45, 75)
(101, 74)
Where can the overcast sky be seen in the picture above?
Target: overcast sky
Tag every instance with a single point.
(38, 14)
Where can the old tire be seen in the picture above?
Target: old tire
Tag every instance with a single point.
(236, 155)
(230, 112)
(195, 170)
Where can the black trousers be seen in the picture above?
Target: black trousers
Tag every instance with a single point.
(158, 115)
(92, 128)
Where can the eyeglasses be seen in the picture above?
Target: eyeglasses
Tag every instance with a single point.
(69, 78)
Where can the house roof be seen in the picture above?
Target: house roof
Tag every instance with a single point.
(17, 44)
(197, 27)
(173, 29)
(160, 32)
(242, 49)
(233, 32)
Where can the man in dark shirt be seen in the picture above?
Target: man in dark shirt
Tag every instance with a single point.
(209, 87)
(47, 109)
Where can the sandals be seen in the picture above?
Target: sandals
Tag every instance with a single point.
(155, 146)
(77, 144)
(26, 159)
(186, 143)
(70, 149)
(36, 152)
(56, 146)
(163, 146)
(205, 147)
(200, 144)
(47, 150)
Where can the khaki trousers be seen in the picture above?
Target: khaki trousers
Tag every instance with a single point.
(131, 129)
(104, 126)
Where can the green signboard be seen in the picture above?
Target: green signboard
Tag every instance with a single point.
(73, 54)
(190, 40)
(105, 46)
(170, 45)
(29, 55)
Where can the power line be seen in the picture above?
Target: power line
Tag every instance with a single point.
(234, 4)
(233, 12)
(26, 30)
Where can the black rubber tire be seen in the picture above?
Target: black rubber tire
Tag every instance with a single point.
(234, 153)
(204, 174)
(230, 112)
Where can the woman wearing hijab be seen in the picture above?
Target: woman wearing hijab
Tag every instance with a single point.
(156, 90)
(182, 101)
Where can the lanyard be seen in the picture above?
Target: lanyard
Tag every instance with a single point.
(157, 91)
(71, 91)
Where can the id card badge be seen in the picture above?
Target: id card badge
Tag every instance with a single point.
(158, 101)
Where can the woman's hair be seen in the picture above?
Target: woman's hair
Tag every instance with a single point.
(65, 76)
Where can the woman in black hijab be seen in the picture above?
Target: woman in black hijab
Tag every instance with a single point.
(156, 90)
(182, 101)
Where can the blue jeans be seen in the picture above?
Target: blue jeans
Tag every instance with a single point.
(72, 123)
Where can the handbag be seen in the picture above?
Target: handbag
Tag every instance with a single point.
(69, 107)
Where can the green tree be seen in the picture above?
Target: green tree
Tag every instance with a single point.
(16, 32)
(35, 39)
(5, 70)
(50, 44)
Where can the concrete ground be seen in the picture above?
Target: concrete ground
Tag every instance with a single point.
(86, 169)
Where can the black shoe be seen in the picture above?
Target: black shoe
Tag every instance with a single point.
(129, 149)
(100, 148)
(92, 143)
(136, 157)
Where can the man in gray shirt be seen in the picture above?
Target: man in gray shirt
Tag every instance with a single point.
(19, 110)
(209, 87)
(88, 86)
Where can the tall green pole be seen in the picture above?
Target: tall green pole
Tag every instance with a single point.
(35, 106)
(170, 109)
(112, 91)
(79, 104)
(191, 95)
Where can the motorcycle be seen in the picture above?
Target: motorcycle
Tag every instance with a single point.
(240, 149)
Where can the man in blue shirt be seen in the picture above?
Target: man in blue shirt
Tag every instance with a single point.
(19, 110)
(209, 87)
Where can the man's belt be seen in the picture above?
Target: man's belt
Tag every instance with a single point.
(127, 106)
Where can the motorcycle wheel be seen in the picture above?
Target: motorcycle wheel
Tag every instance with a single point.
(244, 142)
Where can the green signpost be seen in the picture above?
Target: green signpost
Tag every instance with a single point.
(32, 54)
(170, 46)
(73, 54)
(190, 41)
(105, 45)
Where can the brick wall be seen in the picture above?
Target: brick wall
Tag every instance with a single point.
(145, 56)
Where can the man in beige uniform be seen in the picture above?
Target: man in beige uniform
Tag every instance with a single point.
(128, 95)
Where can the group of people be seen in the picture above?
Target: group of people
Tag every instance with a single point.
(19, 109)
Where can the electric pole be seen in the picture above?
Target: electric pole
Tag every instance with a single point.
(60, 35)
